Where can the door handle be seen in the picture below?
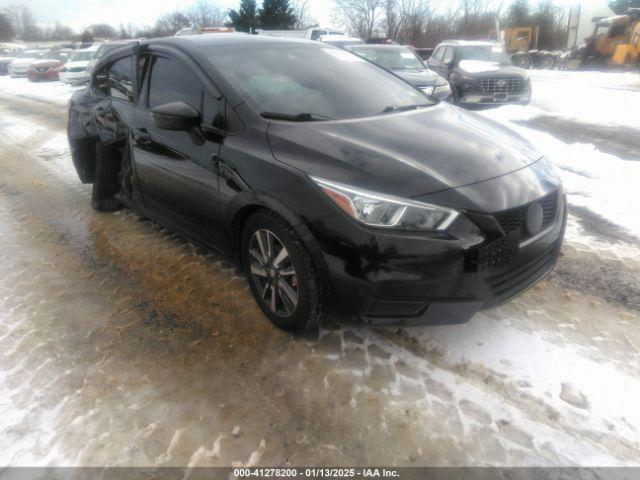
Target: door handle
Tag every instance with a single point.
(141, 136)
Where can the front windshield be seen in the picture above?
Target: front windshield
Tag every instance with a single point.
(391, 58)
(485, 53)
(82, 56)
(302, 78)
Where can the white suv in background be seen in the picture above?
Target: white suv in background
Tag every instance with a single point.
(75, 69)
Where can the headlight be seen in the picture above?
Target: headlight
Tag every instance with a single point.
(444, 88)
(387, 211)
(427, 90)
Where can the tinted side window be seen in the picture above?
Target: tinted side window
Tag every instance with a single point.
(437, 55)
(121, 79)
(170, 82)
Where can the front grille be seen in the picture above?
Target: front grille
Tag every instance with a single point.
(501, 85)
(514, 220)
(41, 69)
(522, 276)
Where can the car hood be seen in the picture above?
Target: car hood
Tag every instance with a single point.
(7, 59)
(407, 154)
(45, 63)
(479, 68)
(420, 78)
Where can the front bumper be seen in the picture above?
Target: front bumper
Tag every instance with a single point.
(18, 72)
(42, 76)
(385, 278)
(475, 98)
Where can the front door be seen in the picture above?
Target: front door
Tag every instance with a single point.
(176, 170)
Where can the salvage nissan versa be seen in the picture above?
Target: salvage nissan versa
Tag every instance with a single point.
(338, 188)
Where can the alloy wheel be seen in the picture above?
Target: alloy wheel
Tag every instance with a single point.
(273, 273)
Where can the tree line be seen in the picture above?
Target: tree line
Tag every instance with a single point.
(424, 23)
(19, 22)
(416, 22)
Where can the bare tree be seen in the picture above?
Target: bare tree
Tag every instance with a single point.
(169, 23)
(206, 13)
(405, 20)
(23, 21)
(102, 30)
(303, 15)
(360, 17)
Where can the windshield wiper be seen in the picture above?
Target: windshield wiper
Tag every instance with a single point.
(404, 108)
(298, 117)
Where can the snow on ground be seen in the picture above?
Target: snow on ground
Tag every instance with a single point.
(594, 97)
(604, 183)
(54, 92)
(601, 182)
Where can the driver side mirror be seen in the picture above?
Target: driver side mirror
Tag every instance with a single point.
(175, 116)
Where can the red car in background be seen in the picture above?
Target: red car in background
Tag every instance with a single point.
(47, 67)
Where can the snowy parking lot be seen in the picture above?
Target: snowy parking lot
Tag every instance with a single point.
(123, 344)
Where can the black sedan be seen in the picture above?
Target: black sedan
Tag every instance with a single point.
(337, 187)
(404, 62)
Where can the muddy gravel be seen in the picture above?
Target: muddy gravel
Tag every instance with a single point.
(123, 344)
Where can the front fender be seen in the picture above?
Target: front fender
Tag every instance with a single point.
(246, 203)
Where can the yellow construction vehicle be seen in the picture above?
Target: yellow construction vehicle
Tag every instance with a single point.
(522, 44)
(615, 40)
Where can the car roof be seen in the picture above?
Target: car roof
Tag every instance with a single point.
(376, 46)
(225, 39)
(469, 43)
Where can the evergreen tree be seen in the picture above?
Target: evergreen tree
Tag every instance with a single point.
(245, 19)
(276, 15)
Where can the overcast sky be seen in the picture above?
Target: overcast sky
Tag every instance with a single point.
(79, 14)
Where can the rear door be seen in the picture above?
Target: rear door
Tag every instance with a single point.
(176, 170)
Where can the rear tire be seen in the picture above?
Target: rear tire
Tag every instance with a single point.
(105, 182)
(280, 272)
(547, 62)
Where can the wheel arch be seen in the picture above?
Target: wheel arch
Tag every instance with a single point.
(242, 208)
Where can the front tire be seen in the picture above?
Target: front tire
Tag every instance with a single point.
(523, 61)
(280, 272)
(105, 182)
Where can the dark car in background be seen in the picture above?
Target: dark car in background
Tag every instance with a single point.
(338, 188)
(424, 53)
(404, 62)
(480, 73)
